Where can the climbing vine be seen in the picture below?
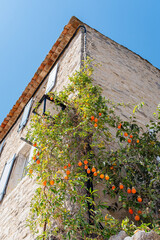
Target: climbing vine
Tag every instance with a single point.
(84, 155)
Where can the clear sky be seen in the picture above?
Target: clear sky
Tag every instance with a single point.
(29, 28)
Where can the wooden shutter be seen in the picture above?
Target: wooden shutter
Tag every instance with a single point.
(2, 145)
(25, 114)
(52, 79)
(5, 176)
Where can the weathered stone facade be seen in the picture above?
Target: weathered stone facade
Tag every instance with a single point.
(15, 205)
(124, 77)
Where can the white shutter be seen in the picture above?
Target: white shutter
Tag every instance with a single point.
(28, 161)
(5, 176)
(151, 131)
(52, 79)
(2, 145)
(30, 155)
(158, 159)
(25, 114)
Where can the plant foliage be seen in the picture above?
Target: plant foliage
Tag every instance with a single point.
(82, 147)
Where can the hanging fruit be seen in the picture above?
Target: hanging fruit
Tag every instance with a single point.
(80, 164)
(106, 177)
(51, 182)
(129, 190)
(139, 199)
(137, 218)
(44, 183)
(121, 186)
(68, 172)
(92, 118)
(101, 176)
(130, 211)
(133, 190)
(85, 162)
(93, 169)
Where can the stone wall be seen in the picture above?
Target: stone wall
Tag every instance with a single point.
(15, 206)
(124, 76)
(127, 78)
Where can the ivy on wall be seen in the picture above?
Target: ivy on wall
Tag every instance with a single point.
(82, 147)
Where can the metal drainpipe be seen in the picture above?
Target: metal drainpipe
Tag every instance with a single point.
(89, 183)
(83, 43)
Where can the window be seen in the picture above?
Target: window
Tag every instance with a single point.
(52, 79)
(48, 105)
(25, 115)
(5, 176)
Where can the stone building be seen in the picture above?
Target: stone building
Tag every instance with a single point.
(124, 77)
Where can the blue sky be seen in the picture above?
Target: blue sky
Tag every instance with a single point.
(29, 28)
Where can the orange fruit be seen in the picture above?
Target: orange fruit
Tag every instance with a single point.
(95, 174)
(129, 140)
(30, 171)
(139, 212)
(101, 176)
(44, 183)
(130, 211)
(69, 165)
(133, 190)
(129, 190)
(86, 167)
(68, 172)
(34, 157)
(137, 140)
(119, 126)
(80, 164)
(111, 167)
(85, 162)
(121, 186)
(95, 125)
(92, 118)
(34, 144)
(113, 187)
(65, 167)
(137, 218)
(139, 199)
(66, 177)
(38, 153)
(98, 172)
(125, 134)
(106, 177)
(38, 161)
(93, 169)
(96, 120)
(51, 98)
(100, 114)
(51, 182)
(131, 136)
(88, 171)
